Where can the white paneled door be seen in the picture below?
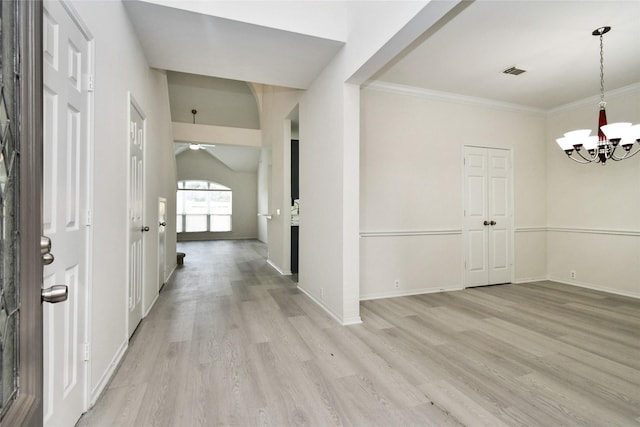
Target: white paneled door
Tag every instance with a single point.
(487, 216)
(66, 119)
(137, 229)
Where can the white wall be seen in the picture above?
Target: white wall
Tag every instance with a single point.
(594, 210)
(220, 102)
(322, 204)
(121, 67)
(411, 194)
(199, 165)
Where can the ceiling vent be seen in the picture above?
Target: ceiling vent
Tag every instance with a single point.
(514, 71)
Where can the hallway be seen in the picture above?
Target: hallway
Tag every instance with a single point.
(230, 342)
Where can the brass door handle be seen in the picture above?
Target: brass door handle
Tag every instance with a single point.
(492, 222)
(163, 224)
(145, 228)
(485, 223)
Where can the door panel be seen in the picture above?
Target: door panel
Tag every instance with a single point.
(475, 213)
(66, 53)
(487, 217)
(136, 215)
(500, 217)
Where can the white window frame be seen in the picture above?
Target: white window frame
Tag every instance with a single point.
(181, 216)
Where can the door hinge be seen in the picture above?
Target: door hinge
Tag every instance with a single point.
(88, 82)
(87, 351)
(88, 217)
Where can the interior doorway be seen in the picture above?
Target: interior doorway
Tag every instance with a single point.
(294, 192)
(488, 216)
(295, 204)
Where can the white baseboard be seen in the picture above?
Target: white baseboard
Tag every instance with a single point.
(173, 270)
(352, 320)
(278, 269)
(530, 279)
(146, 313)
(108, 374)
(595, 287)
(405, 293)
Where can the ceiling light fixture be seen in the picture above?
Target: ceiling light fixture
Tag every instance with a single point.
(602, 147)
(193, 146)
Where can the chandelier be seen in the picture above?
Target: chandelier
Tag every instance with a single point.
(610, 137)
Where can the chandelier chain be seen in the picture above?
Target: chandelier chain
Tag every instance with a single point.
(601, 70)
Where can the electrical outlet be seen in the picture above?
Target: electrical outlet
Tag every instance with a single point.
(572, 274)
(397, 283)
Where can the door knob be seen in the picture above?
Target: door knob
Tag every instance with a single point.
(486, 223)
(163, 224)
(492, 222)
(47, 258)
(145, 228)
(54, 294)
(45, 245)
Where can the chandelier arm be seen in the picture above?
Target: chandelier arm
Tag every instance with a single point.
(626, 155)
(589, 159)
(582, 162)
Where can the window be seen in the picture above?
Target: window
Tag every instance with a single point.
(203, 206)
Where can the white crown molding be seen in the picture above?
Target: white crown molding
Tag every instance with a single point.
(485, 102)
(594, 100)
(451, 97)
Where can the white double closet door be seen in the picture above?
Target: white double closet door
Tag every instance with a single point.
(487, 228)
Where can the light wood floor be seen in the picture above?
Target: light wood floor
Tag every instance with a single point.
(230, 342)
